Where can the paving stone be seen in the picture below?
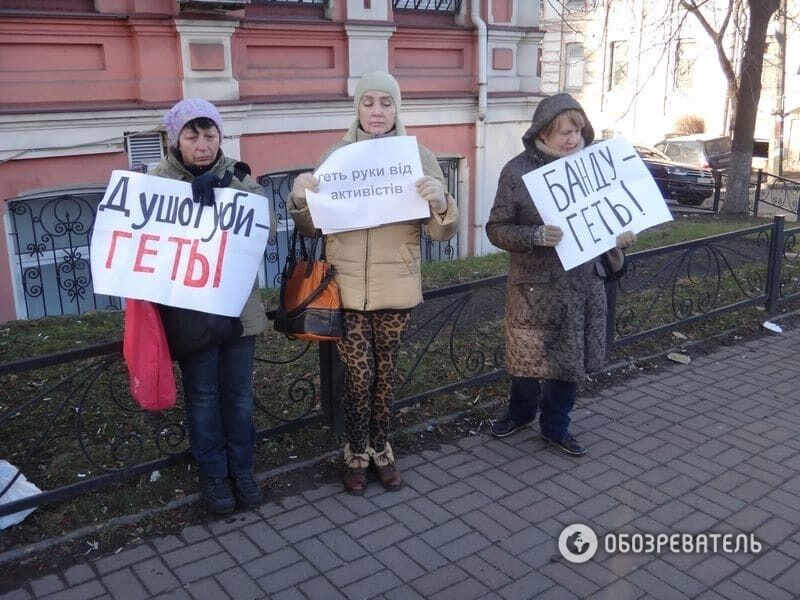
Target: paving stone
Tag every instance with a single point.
(238, 584)
(569, 578)
(187, 554)
(387, 536)
(655, 587)
(488, 487)
(49, 584)
(403, 593)
(424, 554)
(524, 539)
(400, 563)
(467, 503)
(440, 579)
(373, 585)
(770, 564)
(528, 586)
(18, 594)
(366, 525)
(207, 589)
(677, 579)
(430, 510)
(619, 590)
(468, 589)
(489, 575)
(272, 562)
(84, 591)
(359, 569)
(464, 546)
(202, 568)
(166, 543)
(318, 554)
(239, 546)
(287, 577)
(761, 588)
(486, 526)
(155, 575)
(78, 574)
(342, 545)
(265, 537)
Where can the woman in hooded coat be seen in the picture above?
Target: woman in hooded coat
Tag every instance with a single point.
(378, 272)
(555, 319)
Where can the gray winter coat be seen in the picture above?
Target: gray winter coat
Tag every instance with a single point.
(555, 319)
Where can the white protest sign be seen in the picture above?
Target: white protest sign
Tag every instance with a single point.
(367, 184)
(151, 241)
(594, 195)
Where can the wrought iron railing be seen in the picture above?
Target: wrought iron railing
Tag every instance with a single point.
(79, 405)
(73, 408)
(444, 6)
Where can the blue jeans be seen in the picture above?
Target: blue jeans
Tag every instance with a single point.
(553, 398)
(218, 393)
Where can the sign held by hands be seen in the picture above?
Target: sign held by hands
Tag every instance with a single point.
(152, 241)
(593, 196)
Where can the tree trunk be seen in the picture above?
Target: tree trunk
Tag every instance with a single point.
(738, 191)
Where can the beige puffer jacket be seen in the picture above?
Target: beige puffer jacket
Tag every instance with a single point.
(379, 268)
(253, 317)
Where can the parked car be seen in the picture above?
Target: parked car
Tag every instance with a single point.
(698, 150)
(688, 184)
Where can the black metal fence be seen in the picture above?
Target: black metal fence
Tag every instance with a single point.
(68, 422)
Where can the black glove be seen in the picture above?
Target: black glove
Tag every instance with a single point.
(203, 187)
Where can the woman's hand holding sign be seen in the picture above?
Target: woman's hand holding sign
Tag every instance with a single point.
(432, 191)
(625, 240)
(547, 235)
(303, 182)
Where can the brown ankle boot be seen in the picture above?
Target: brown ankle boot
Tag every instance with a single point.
(354, 479)
(386, 469)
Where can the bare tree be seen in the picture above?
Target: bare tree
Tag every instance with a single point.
(744, 90)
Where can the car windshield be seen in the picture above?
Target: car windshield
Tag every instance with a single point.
(691, 152)
(645, 152)
(718, 146)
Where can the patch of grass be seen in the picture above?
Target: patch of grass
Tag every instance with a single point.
(691, 227)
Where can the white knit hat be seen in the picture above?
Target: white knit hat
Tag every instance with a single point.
(378, 81)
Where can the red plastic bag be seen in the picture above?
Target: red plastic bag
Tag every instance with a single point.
(144, 346)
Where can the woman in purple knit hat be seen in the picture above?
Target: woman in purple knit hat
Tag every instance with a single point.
(217, 380)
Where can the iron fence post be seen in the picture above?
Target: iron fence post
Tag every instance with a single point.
(758, 193)
(717, 190)
(331, 386)
(775, 264)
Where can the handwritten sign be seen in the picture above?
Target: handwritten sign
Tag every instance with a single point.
(151, 241)
(367, 184)
(594, 195)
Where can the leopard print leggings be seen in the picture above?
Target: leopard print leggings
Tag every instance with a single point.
(369, 352)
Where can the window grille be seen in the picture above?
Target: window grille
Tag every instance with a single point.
(144, 149)
(575, 65)
(50, 238)
(618, 75)
(443, 6)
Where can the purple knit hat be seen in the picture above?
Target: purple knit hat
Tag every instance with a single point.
(187, 110)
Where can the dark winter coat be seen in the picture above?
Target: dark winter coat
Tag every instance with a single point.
(555, 319)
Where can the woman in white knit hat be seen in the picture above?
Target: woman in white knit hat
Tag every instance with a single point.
(217, 376)
(378, 272)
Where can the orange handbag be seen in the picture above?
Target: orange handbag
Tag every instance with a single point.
(310, 304)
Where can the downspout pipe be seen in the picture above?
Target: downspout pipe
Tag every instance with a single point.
(480, 125)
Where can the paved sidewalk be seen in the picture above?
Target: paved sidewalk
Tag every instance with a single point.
(709, 447)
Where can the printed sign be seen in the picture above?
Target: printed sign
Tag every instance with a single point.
(367, 184)
(594, 195)
(151, 241)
